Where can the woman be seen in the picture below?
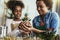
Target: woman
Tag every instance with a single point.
(47, 21)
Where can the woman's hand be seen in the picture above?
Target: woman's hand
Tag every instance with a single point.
(26, 26)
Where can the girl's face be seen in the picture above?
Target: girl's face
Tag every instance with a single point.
(17, 12)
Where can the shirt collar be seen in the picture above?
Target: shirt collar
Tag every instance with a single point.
(47, 14)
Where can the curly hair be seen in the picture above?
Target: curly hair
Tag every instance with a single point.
(48, 3)
(12, 4)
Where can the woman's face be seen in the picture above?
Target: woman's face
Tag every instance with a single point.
(41, 7)
(17, 12)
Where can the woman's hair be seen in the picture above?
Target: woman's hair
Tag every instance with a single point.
(48, 3)
(12, 4)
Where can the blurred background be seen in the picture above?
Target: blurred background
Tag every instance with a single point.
(30, 9)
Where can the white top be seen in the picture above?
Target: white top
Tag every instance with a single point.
(9, 30)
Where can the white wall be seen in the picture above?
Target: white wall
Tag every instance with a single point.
(1, 10)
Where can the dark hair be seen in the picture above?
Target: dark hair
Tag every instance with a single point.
(48, 3)
(12, 4)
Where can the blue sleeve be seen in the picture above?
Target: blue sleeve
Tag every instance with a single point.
(33, 23)
(54, 21)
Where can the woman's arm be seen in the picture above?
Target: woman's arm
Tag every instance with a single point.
(37, 30)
